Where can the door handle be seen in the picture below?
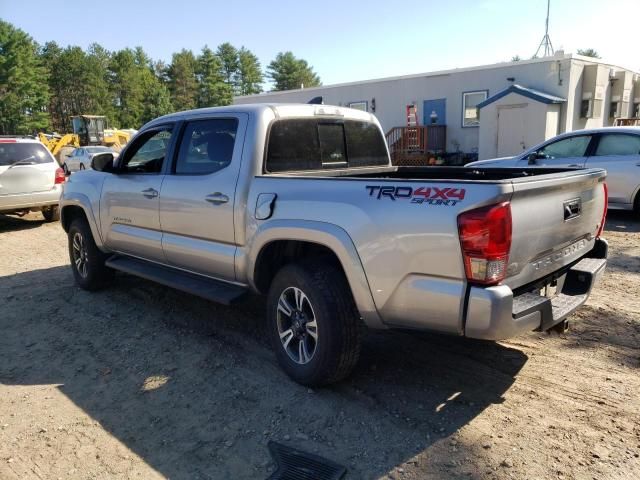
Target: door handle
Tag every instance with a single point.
(217, 198)
(150, 193)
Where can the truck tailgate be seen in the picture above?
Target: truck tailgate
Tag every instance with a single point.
(555, 219)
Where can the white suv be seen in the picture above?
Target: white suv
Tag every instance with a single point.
(30, 178)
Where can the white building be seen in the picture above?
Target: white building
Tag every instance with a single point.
(491, 110)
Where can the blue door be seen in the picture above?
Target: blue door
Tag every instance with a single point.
(435, 112)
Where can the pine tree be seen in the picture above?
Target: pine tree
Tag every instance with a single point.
(288, 73)
(127, 89)
(100, 99)
(182, 80)
(588, 52)
(228, 55)
(249, 77)
(24, 94)
(212, 88)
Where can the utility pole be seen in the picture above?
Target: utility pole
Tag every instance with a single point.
(546, 40)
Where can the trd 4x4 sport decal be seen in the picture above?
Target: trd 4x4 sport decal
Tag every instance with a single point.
(430, 195)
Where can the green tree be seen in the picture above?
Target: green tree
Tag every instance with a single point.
(161, 71)
(127, 89)
(183, 84)
(100, 101)
(157, 99)
(24, 93)
(50, 54)
(212, 88)
(249, 76)
(138, 94)
(228, 55)
(588, 52)
(78, 83)
(288, 73)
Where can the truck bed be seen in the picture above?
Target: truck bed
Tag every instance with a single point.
(403, 222)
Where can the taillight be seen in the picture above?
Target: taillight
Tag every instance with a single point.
(604, 210)
(60, 176)
(485, 237)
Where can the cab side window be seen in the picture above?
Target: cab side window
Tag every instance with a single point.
(206, 146)
(567, 147)
(148, 152)
(618, 145)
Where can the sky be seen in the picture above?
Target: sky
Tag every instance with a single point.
(343, 40)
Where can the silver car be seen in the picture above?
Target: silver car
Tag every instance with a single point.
(616, 149)
(80, 158)
(30, 178)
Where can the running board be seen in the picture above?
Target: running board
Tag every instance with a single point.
(214, 290)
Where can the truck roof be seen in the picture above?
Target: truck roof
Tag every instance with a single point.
(279, 110)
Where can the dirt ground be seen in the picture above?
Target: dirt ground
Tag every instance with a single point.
(140, 381)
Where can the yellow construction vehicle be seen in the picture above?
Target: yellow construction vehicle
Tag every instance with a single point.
(87, 130)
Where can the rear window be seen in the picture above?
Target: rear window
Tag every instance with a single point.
(319, 144)
(98, 149)
(11, 153)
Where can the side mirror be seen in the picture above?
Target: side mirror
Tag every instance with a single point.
(533, 158)
(102, 162)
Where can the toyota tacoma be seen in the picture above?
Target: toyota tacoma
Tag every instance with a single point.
(302, 204)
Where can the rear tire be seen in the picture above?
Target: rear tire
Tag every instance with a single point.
(318, 343)
(66, 169)
(82, 166)
(51, 214)
(87, 261)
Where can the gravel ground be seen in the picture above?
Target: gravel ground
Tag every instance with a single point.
(140, 381)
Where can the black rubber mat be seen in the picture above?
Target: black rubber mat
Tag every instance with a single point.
(298, 465)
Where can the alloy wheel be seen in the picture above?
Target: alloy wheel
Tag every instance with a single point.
(80, 255)
(297, 326)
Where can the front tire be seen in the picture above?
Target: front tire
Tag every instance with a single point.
(87, 261)
(51, 214)
(313, 323)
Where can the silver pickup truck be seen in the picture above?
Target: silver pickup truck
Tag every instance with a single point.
(301, 203)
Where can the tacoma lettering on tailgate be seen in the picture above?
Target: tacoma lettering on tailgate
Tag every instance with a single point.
(559, 255)
(446, 196)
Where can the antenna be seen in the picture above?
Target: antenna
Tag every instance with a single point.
(546, 40)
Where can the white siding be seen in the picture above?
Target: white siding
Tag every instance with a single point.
(560, 76)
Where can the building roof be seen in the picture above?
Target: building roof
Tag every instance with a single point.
(525, 92)
(558, 56)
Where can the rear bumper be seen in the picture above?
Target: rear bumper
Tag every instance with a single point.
(494, 313)
(24, 201)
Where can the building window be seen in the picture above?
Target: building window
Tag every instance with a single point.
(359, 105)
(586, 109)
(613, 110)
(636, 110)
(470, 112)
